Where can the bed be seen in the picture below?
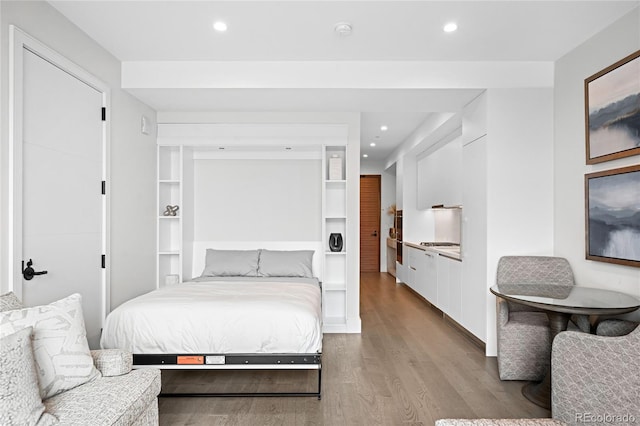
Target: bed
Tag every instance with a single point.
(249, 309)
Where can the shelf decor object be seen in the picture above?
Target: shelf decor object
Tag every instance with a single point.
(335, 167)
(335, 242)
(171, 211)
(612, 116)
(612, 218)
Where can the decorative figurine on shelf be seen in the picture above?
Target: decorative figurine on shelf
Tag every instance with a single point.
(335, 242)
(171, 211)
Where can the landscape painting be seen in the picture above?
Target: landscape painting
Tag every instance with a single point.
(613, 216)
(612, 103)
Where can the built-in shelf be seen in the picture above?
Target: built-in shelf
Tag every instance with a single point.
(335, 219)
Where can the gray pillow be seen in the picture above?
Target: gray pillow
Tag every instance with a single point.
(231, 263)
(294, 263)
(9, 301)
(20, 402)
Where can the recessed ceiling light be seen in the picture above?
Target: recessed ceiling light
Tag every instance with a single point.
(220, 26)
(365, 155)
(450, 27)
(384, 128)
(372, 144)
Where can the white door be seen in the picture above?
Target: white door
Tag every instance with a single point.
(62, 202)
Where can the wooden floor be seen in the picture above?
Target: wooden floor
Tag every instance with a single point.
(407, 367)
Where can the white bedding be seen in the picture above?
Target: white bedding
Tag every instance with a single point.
(222, 316)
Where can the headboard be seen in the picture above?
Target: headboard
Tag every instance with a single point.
(200, 249)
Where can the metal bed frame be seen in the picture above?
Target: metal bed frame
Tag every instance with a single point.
(233, 362)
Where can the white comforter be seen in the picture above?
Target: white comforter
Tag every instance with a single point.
(219, 317)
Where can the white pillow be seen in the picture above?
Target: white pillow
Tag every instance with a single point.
(10, 301)
(20, 402)
(60, 345)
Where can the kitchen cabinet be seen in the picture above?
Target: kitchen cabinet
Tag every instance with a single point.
(450, 271)
(449, 286)
(430, 276)
(414, 267)
(455, 289)
(439, 177)
(422, 272)
(443, 284)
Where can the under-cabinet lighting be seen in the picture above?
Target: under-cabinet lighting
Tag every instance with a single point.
(372, 144)
(384, 128)
(365, 155)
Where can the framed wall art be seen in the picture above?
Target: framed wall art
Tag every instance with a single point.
(612, 111)
(613, 216)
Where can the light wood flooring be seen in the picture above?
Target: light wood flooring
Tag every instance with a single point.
(408, 366)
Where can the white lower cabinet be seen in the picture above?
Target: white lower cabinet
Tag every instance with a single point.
(450, 287)
(443, 284)
(430, 276)
(455, 290)
(422, 274)
(413, 266)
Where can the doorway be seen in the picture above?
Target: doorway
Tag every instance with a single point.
(370, 223)
(58, 218)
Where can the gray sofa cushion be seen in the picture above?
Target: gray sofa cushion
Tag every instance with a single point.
(119, 400)
(20, 402)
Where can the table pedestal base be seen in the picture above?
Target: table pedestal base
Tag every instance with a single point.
(540, 392)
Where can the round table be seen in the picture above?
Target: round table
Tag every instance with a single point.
(559, 303)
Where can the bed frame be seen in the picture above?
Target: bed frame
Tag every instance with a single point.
(195, 257)
(233, 362)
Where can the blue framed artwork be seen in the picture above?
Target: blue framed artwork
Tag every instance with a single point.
(613, 216)
(612, 111)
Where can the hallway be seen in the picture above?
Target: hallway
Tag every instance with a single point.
(407, 367)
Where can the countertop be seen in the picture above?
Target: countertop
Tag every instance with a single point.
(450, 252)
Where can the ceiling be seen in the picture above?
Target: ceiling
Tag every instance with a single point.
(299, 30)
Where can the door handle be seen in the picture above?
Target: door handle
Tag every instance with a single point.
(28, 273)
(375, 234)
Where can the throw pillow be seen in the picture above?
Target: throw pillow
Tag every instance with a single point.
(10, 301)
(60, 345)
(20, 402)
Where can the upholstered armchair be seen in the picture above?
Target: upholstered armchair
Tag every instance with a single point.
(596, 380)
(616, 327)
(524, 337)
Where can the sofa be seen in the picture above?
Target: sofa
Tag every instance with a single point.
(48, 375)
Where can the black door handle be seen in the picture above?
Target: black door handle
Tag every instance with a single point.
(375, 234)
(28, 273)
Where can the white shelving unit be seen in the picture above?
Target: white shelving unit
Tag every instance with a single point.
(173, 189)
(334, 220)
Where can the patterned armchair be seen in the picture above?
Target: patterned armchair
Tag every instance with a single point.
(596, 380)
(524, 337)
(616, 327)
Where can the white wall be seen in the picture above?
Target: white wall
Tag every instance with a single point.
(387, 198)
(519, 182)
(132, 154)
(607, 47)
(258, 200)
